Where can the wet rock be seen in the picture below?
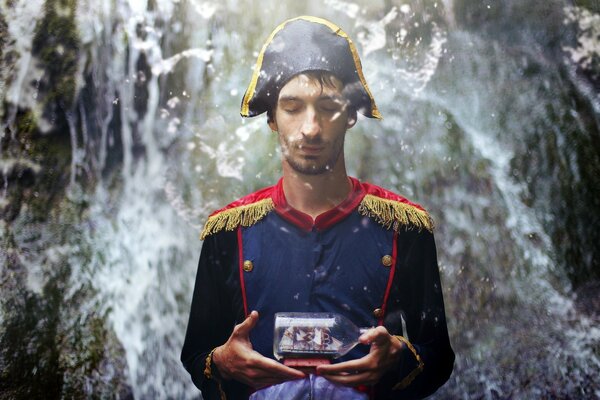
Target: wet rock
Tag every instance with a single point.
(56, 46)
(588, 298)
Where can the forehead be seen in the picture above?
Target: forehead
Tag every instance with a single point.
(303, 85)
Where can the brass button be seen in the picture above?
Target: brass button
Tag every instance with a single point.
(378, 313)
(386, 260)
(248, 266)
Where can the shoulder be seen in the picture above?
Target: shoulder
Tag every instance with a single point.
(245, 211)
(393, 210)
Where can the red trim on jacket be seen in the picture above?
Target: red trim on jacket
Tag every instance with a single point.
(388, 288)
(241, 269)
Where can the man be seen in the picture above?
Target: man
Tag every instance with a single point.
(317, 241)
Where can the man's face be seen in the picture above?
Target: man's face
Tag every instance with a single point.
(312, 120)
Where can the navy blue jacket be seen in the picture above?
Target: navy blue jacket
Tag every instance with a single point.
(372, 259)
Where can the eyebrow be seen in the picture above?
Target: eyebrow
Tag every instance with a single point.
(289, 98)
(321, 98)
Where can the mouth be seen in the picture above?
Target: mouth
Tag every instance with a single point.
(310, 149)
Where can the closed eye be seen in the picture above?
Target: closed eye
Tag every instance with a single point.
(330, 106)
(291, 110)
(290, 105)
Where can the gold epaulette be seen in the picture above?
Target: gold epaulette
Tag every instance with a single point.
(231, 218)
(394, 214)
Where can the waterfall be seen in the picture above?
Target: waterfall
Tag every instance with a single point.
(121, 133)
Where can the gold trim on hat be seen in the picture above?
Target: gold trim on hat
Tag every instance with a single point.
(336, 29)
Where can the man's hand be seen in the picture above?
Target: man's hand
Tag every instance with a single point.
(384, 354)
(237, 360)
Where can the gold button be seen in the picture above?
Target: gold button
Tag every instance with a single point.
(378, 313)
(386, 260)
(248, 266)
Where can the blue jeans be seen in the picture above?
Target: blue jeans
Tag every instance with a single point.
(311, 388)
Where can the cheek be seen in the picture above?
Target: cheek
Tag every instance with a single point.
(286, 142)
(289, 134)
(285, 147)
(336, 129)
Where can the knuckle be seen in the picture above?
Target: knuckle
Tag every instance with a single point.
(249, 364)
(381, 330)
(252, 374)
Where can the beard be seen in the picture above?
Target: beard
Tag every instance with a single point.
(308, 165)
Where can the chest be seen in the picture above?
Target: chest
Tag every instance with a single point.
(343, 269)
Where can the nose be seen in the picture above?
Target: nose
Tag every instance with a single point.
(311, 126)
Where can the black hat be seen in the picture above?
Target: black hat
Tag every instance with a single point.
(306, 44)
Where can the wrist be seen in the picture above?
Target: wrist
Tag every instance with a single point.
(217, 364)
(398, 347)
(211, 372)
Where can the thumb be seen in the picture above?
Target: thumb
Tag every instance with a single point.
(376, 336)
(249, 323)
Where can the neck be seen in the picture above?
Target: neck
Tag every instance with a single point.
(315, 194)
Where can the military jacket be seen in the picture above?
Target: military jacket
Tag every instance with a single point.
(372, 258)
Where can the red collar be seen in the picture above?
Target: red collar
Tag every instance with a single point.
(324, 220)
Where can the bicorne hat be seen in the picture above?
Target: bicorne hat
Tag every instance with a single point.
(306, 44)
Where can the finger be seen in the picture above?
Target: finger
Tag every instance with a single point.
(378, 335)
(351, 366)
(276, 369)
(249, 323)
(362, 378)
(284, 374)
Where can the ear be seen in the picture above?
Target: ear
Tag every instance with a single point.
(352, 117)
(272, 124)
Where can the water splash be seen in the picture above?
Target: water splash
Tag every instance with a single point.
(371, 35)
(136, 272)
(588, 47)
(416, 77)
(586, 54)
(166, 66)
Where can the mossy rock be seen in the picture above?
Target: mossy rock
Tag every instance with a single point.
(56, 45)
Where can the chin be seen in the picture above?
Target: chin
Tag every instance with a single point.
(311, 169)
(311, 165)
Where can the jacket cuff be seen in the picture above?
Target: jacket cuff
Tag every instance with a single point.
(211, 372)
(415, 371)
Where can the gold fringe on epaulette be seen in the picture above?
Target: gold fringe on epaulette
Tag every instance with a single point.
(232, 218)
(393, 214)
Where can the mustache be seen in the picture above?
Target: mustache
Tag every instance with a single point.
(307, 142)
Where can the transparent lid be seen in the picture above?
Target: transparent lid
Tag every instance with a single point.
(305, 335)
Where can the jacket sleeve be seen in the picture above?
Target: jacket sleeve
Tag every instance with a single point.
(428, 359)
(213, 312)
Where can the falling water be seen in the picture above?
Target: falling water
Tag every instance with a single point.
(121, 134)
